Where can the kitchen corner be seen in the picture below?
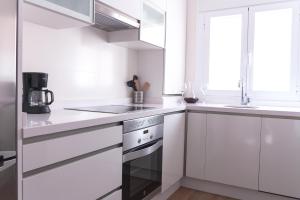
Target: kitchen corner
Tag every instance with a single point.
(149, 99)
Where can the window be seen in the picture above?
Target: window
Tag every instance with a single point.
(222, 61)
(256, 46)
(225, 48)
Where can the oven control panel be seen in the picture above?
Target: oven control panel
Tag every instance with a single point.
(141, 123)
(142, 136)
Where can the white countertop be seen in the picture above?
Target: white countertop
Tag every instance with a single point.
(260, 110)
(65, 120)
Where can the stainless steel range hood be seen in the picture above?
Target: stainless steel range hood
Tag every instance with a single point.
(126, 31)
(110, 19)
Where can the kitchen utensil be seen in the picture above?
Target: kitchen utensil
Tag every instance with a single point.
(131, 84)
(137, 85)
(146, 87)
(138, 97)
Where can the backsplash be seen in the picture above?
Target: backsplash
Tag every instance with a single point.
(80, 63)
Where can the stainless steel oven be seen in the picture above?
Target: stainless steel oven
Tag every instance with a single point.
(142, 157)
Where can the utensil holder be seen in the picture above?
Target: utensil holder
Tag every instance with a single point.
(138, 97)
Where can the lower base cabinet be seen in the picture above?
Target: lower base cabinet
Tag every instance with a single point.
(280, 160)
(224, 148)
(232, 150)
(88, 178)
(173, 149)
(253, 152)
(195, 145)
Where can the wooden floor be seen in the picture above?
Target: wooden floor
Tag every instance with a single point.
(189, 194)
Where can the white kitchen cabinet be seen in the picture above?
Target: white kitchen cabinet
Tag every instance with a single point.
(132, 8)
(150, 35)
(195, 146)
(160, 3)
(153, 24)
(88, 178)
(175, 50)
(59, 13)
(173, 149)
(46, 152)
(280, 160)
(232, 150)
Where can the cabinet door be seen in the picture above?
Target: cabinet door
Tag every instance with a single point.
(79, 142)
(160, 3)
(173, 149)
(232, 150)
(80, 9)
(86, 179)
(280, 160)
(153, 24)
(132, 8)
(195, 146)
(175, 49)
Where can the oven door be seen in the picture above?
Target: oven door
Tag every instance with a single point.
(142, 171)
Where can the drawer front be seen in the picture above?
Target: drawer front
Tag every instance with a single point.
(43, 153)
(114, 196)
(88, 179)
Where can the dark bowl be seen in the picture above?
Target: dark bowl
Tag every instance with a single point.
(191, 100)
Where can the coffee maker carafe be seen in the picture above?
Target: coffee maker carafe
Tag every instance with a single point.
(36, 100)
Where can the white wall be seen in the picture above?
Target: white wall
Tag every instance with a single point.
(191, 46)
(80, 63)
(151, 69)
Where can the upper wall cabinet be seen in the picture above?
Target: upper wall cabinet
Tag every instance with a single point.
(175, 49)
(160, 3)
(153, 24)
(132, 8)
(150, 35)
(59, 13)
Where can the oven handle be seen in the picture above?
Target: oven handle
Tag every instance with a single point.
(141, 153)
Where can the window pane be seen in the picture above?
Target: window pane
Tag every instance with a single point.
(272, 50)
(225, 52)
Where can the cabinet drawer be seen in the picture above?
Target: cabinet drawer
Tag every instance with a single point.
(88, 179)
(114, 196)
(42, 153)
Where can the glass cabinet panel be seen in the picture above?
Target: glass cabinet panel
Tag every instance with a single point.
(80, 9)
(80, 6)
(153, 25)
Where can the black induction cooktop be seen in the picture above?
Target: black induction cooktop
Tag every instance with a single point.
(115, 109)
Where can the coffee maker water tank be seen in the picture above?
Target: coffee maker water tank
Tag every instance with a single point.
(36, 99)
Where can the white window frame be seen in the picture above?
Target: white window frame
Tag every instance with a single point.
(205, 32)
(247, 50)
(294, 73)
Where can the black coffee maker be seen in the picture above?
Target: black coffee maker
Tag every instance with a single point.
(36, 100)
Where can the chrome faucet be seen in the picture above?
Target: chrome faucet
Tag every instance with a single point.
(244, 97)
